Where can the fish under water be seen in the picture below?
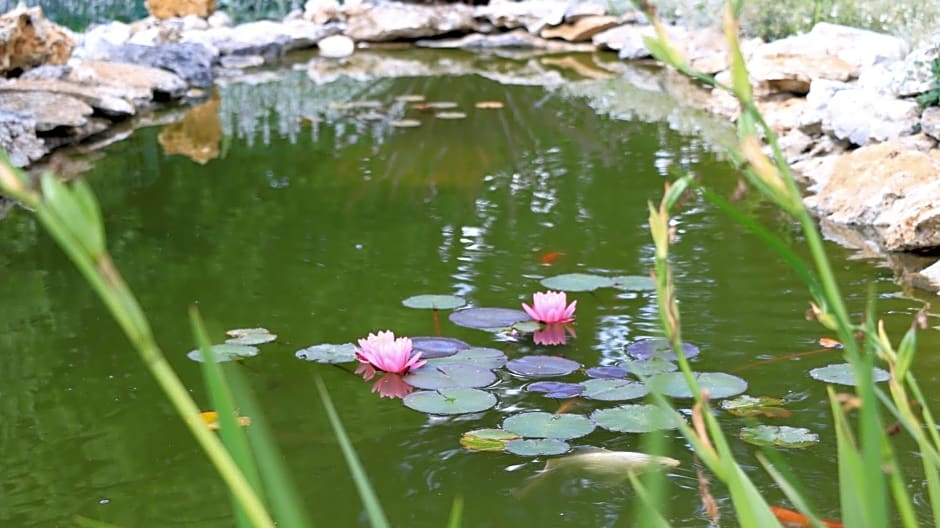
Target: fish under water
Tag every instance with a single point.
(601, 466)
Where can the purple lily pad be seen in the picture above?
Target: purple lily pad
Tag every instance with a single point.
(659, 348)
(542, 366)
(437, 347)
(556, 389)
(488, 318)
(607, 372)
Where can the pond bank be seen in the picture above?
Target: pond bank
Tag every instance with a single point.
(840, 98)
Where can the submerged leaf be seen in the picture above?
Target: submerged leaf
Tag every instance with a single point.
(542, 366)
(548, 425)
(486, 439)
(576, 282)
(450, 401)
(779, 436)
(249, 336)
(537, 447)
(434, 302)
(225, 352)
(842, 374)
(328, 353)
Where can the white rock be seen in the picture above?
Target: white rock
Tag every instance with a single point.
(219, 19)
(336, 46)
(99, 40)
(533, 15)
(861, 116)
(194, 22)
(146, 37)
(321, 11)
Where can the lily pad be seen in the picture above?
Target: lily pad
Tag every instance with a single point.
(249, 336)
(537, 447)
(547, 425)
(636, 418)
(556, 389)
(614, 389)
(607, 372)
(542, 366)
(450, 115)
(488, 358)
(436, 347)
(766, 406)
(648, 367)
(633, 283)
(719, 384)
(526, 327)
(576, 282)
(487, 439)
(434, 302)
(842, 374)
(404, 123)
(659, 349)
(450, 401)
(328, 353)
(779, 436)
(488, 318)
(450, 376)
(225, 352)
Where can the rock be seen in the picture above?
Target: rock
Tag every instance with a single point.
(197, 135)
(856, 47)
(582, 29)
(240, 62)
(578, 10)
(18, 138)
(914, 75)
(336, 46)
(47, 73)
(861, 116)
(28, 39)
(321, 11)
(783, 111)
(193, 22)
(99, 40)
(533, 15)
(48, 111)
(266, 38)
(219, 19)
(930, 122)
(395, 20)
(580, 64)
(889, 187)
(519, 38)
(180, 8)
(931, 277)
(102, 103)
(789, 72)
(190, 61)
(129, 81)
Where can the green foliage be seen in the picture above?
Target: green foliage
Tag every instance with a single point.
(932, 97)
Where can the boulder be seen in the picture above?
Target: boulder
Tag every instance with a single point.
(856, 47)
(99, 40)
(197, 136)
(266, 38)
(930, 122)
(583, 29)
(322, 11)
(102, 103)
(792, 72)
(578, 10)
(28, 39)
(18, 138)
(518, 38)
(395, 21)
(180, 8)
(862, 117)
(190, 61)
(336, 46)
(533, 15)
(48, 111)
(129, 81)
(914, 75)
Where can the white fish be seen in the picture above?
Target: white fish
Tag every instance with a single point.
(601, 465)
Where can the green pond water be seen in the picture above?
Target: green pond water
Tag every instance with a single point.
(316, 224)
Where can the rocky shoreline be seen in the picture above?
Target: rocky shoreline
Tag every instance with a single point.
(841, 99)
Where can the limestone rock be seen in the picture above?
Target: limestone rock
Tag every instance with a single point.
(930, 122)
(857, 47)
(395, 20)
(336, 46)
(99, 40)
(180, 8)
(48, 111)
(240, 62)
(130, 81)
(533, 15)
(913, 75)
(792, 72)
(18, 138)
(266, 38)
(861, 116)
(190, 61)
(582, 29)
(197, 136)
(518, 38)
(931, 276)
(28, 39)
(322, 11)
(219, 19)
(578, 10)
(103, 103)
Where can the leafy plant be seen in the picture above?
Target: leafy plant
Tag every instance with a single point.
(932, 96)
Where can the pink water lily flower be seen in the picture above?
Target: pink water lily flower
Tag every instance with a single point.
(386, 353)
(549, 307)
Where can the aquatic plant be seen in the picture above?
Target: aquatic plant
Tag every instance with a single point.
(389, 354)
(551, 307)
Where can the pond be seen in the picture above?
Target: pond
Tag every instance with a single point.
(315, 221)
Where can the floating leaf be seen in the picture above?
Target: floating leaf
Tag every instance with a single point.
(450, 401)
(249, 336)
(636, 418)
(225, 352)
(527, 327)
(487, 439)
(745, 405)
(842, 374)
(450, 115)
(614, 389)
(648, 367)
(488, 318)
(576, 282)
(435, 302)
(436, 347)
(542, 366)
(548, 425)
(328, 353)
(450, 376)
(489, 358)
(659, 349)
(779, 435)
(211, 419)
(404, 123)
(488, 105)
(537, 447)
(830, 343)
(607, 372)
(718, 384)
(556, 389)
(633, 283)
(441, 105)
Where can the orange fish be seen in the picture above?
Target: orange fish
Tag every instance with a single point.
(792, 519)
(550, 257)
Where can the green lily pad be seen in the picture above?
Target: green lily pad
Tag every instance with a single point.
(488, 358)
(537, 447)
(437, 347)
(328, 353)
(613, 389)
(779, 436)
(547, 425)
(434, 302)
(766, 406)
(659, 349)
(542, 366)
(450, 401)
(633, 283)
(249, 336)
(486, 439)
(576, 282)
(842, 374)
(648, 367)
(488, 318)
(225, 352)
(636, 418)
(527, 327)
(450, 376)
(719, 384)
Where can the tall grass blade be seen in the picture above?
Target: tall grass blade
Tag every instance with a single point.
(456, 513)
